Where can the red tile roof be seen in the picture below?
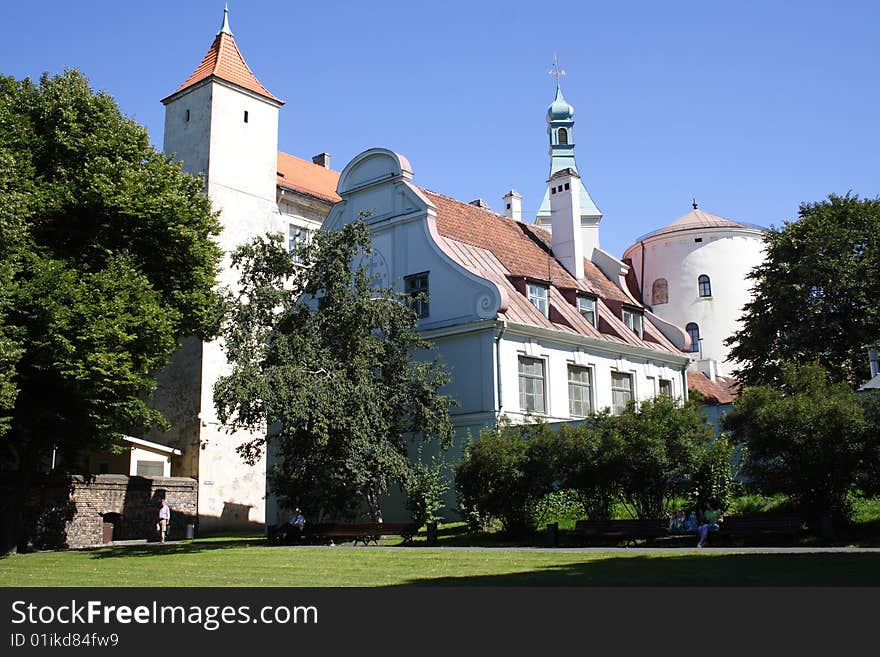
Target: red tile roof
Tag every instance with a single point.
(224, 61)
(502, 250)
(307, 177)
(720, 391)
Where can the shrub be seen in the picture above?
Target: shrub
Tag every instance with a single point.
(591, 463)
(808, 439)
(660, 443)
(712, 478)
(496, 480)
(425, 489)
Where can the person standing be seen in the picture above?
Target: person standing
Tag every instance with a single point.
(164, 519)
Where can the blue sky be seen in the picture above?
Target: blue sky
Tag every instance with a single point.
(752, 107)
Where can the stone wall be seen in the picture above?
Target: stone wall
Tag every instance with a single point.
(72, 513)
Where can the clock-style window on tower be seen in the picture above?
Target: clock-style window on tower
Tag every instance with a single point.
(562, 136)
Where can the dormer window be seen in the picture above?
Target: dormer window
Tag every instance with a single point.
(538, 297)
(633, 319)
(587, 308)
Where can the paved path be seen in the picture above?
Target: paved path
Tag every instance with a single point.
(607, 550)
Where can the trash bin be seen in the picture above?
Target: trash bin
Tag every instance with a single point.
(190, 532)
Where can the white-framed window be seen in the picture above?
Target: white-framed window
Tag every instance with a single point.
(538, 297)
(705, 285)
(580, 391)
(634, 320)
(297, 236)
(532, 397)
(621, 391)
(666, 388)
(587, 308)
(417, 285)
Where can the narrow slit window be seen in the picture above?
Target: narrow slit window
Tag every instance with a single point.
(187, 116)
(245, 116)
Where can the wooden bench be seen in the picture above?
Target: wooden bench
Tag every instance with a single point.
(784, 525)
(362, 532)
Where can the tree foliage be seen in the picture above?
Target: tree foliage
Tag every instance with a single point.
(808, 438)
(328, 362)
(815, 294)
(106, 258)
(661, 444)
(643, 458)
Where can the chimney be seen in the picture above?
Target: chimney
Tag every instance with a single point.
(480, 203)
(873, 360)
(513, 205)
(322, 160)
(565, 217)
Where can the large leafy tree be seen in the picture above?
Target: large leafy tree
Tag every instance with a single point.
(107, 258)
(807, 437)
(815, 294)
(328, 362)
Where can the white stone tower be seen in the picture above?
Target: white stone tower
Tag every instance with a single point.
(222, 124)
(692, 273)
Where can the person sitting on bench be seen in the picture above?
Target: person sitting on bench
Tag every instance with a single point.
(711, 519)
(294, 527)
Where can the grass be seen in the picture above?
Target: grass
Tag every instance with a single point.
(249, 562)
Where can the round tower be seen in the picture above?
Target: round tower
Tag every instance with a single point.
(693, 273)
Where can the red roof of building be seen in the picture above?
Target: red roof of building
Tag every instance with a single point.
(224, 61)
(720, 391)
(503, 250)
(307, 177)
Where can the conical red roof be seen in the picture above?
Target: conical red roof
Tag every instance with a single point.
(224, 61)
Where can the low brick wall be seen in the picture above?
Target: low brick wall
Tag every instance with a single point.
(72, 513)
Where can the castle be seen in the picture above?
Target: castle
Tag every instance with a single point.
(530, 318)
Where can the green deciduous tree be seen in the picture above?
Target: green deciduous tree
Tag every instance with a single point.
(661, 444)
(334, 367)
(807, 437)
(106, 259)
(815, 294)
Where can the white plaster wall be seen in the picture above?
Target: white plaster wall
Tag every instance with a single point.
(240, 160)
(726, 256)
(140, 454)
(558, 356)
(244, 156)
(189, 140)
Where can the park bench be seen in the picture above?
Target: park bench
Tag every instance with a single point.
(361, 532)
(622, 530)
(786, 526)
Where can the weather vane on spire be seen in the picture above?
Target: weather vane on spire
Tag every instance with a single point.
(555, 70)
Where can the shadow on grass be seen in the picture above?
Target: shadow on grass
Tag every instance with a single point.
(689, 570)
(184, 547)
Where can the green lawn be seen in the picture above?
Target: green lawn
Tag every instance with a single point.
(248, 562)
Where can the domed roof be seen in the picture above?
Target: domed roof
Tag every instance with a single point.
(697, 219)
(560, 109)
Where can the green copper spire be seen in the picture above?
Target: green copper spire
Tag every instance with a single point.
(225, 28)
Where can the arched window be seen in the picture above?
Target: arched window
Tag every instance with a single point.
(562, 135)
(660, 292)
(694, 331)
(705, 286)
